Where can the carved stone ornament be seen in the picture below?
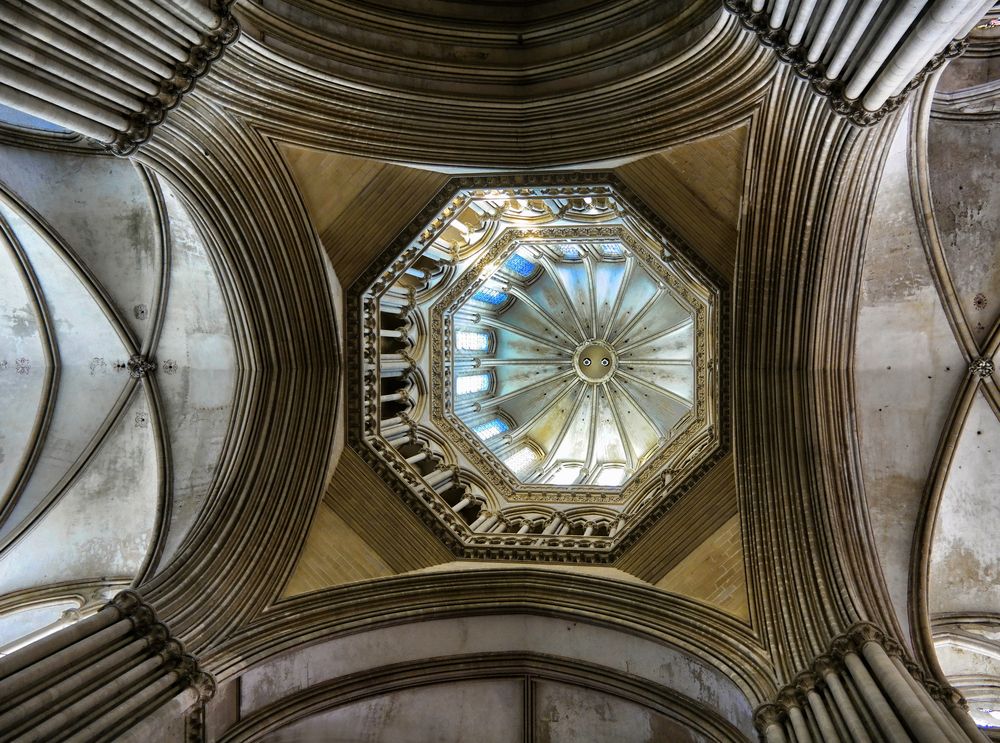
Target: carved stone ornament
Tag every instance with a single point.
(982, 367)
(186, 73)
(139, 366)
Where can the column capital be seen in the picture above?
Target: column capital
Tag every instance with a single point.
(807, 681)
(127, 602)
(862, 633)
(767, 715)
(825, 664)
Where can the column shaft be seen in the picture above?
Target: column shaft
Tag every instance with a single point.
(875, 700)
(917, 718)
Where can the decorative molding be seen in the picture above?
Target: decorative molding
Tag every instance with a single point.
(200, 60)
(809, 692)
(316, 699)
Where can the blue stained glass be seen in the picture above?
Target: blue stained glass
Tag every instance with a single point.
(612, 250)
(570, 252)
(490, 296)
(520, 265)
(490, 429)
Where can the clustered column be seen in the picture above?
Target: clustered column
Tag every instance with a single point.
(98, 678)
(864, 58)
(865, 690)
(108, 70)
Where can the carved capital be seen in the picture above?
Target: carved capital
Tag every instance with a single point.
(127, 602)
(789, 697)
(157, 635)
(767, 715)
(806, 682)
(864, 632)
(204, 684)
(142, 619)
(840, 647)
(825, 665)
(172, 653)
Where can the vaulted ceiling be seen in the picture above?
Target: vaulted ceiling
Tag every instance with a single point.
(856, 481)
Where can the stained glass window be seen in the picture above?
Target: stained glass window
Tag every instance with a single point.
(466, 385)
(471, 340)
(570, 252)
(490, 296)
(612, 250)
(492, 428)
(520, 459)
(520, 265)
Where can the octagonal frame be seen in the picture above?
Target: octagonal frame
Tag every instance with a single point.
(409, 485)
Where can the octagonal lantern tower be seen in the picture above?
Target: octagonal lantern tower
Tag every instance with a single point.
(538, 369)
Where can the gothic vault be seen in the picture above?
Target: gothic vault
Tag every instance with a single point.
(432, 370)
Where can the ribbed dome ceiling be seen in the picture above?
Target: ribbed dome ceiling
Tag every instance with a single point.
(582, 363)
(538, 360)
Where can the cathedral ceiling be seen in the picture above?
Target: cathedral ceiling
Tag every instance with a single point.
(101, 476)
(927, 352)
(542, 360)
(832, 417)
(701, 177)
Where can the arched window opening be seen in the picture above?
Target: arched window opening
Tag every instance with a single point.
(611, 477)
(491, 428)
(472, 340)
(521, 459)
(520, 265)
(570, 252)
(488, 295)
(565, 475)
(471, 383)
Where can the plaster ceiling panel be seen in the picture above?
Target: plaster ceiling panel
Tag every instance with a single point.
(103, 524)
(545, 310)
(196, 371)
(962, 165)
(486, 711)
(357, 205)
(698, 186)
(573, 714)
(960, 658)
(633, 306)
(907, 371)
(92, 374)
(609, 280)
(964, 574)
(22, 370)
(103, 208)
